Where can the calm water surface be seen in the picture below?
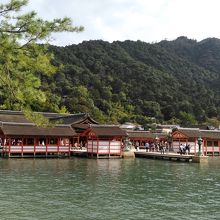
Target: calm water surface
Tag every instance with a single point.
(108, 189)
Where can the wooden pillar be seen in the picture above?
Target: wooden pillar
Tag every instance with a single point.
(219, 147)
(78, 141)
(58, 148)
(69, 146)
(22, 147)
(204, 147)
(35, 143)
(47, 141)
(195, 145)
(109, 147)
(97, 148)
(58, 144)
(212, 147)
(9, 145)
(92, 145)
(121, 146)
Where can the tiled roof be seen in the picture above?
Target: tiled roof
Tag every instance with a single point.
(18, 117)
(31, 130)
(141, 134)
(74, 119)
(107, 131)
(190, 132)
(145, 134)
(210, 134)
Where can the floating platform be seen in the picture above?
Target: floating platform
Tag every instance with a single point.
(166, 156)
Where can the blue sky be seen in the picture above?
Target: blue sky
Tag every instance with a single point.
(145, 20)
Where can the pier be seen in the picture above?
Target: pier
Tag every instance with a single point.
(166, 156)
(79, 153)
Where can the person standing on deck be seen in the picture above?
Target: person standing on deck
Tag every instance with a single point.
(147, 146)
(162, 148)
(181, 149)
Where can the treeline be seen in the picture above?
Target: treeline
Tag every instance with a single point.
(170, 81)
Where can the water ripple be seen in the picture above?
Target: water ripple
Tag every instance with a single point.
(108, 189)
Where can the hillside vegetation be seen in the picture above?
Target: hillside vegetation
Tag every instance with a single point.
(173, 81)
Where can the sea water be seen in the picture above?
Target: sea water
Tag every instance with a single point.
(108, 189)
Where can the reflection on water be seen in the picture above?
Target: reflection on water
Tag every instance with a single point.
(109, 189)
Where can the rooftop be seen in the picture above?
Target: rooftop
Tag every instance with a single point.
(60, 118)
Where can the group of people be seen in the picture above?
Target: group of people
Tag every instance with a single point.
(184, 149)
(13, 142)
(161, 146)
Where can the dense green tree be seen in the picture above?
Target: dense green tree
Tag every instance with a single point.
(187, 119)
(173, 81)
(22, 59)
(131, 80)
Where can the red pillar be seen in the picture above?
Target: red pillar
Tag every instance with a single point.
(47, 141)
(97, 145)
(212, 148)
(69, 146)
(35, 143)
(219, 147)
(195, 146)
(22, 147)
(109, 147)
(121, 146)
(59, 141)
(9, 145)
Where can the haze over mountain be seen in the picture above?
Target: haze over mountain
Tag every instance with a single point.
(175, 81)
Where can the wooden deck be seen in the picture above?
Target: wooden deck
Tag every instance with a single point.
(85, 153)
(166, 156)
(79, 153)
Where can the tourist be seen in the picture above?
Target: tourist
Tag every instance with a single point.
(137, 146)
(13, 142)
(147, 146)
(152, 146)
(75, 145)
(181, 149)
(162, 147)
(166, 146)
(187, 149)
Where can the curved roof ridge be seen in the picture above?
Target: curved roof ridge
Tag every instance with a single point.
(188, 128)
(70, 115)
(104, 125)
(21, 113)
(30, 124)
(210, 130)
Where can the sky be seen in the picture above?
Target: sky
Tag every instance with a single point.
(145, 20)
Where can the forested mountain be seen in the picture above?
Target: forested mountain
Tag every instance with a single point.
(174, 81)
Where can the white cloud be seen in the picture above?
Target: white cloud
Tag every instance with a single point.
(146, 20)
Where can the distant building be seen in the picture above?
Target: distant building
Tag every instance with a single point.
(210, 140)
(166, 128)
(22, 138)
(128, 126)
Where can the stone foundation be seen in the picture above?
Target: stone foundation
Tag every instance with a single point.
(128, 154)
